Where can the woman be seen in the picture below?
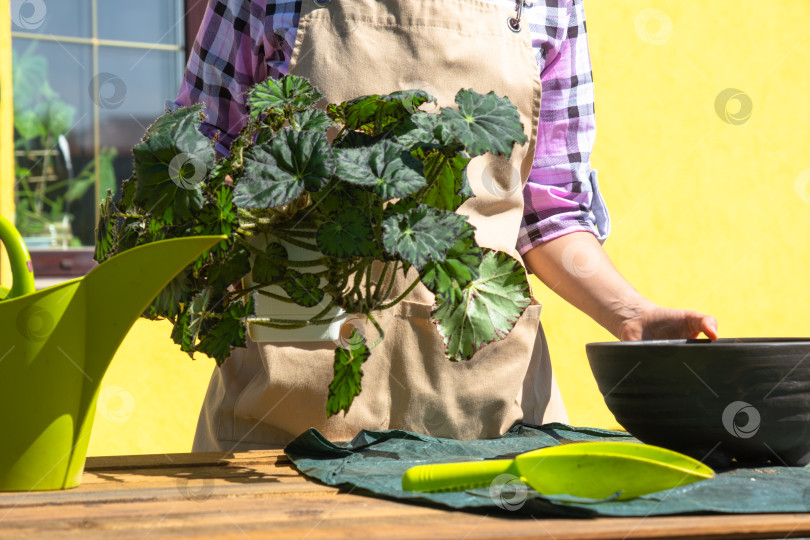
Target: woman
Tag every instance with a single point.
(553, 218)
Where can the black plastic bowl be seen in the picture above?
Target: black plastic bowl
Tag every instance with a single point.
(728, 402)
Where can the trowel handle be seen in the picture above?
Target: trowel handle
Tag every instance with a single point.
(456, 476)
(22, 271)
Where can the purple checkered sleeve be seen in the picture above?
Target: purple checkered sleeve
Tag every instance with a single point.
(243, 42)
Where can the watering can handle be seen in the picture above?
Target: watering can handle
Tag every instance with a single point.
(22, 271)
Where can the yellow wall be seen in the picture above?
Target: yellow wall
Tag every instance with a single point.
(706, 214)
(151, 395)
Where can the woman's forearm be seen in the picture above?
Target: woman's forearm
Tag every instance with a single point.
(577, 268)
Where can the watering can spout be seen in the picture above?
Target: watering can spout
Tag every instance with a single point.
(117, 291)
(56, 348)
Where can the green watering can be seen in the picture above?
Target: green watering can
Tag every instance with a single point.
(55, 347)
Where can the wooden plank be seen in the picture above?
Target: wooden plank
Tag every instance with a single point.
(260, 495)
(194, 459)
(350, 516)
(245, 473)
(166, 494)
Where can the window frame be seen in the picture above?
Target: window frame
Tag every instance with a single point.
(57, 264)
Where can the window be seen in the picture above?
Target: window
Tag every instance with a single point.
(89, 77)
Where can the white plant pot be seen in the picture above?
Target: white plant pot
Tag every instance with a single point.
(271, 308)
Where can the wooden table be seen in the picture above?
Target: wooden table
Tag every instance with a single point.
(260, 495)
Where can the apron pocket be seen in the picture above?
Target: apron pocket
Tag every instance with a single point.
(480, 398)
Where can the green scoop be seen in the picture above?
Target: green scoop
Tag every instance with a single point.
(594, 470)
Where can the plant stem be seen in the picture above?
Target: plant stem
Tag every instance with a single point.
(244, 291)
(288, 324)
(401, 297)
(379, 330)
(357, 282)
(391, 283)
(380, 282)
(367, 300)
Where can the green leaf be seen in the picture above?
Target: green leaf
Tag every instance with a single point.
(197, 310)
(421, 129)
(488, 308)
(128, 188)
(105, 229)
(303, 289)
(181, 334)
(289, 92)
(170, 163)
(227, 332)
(356, 139)
(346, 383)
(422, 234)
(278, 172)
(375, 113)
(225, 271)
(446, 181)
(265, 269)
(337, 196)
(311, 120)
(484, 123)
(168, 301)
(387, 167)
(458, 269)
(348, 235)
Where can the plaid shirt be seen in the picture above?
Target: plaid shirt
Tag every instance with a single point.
(242, 42)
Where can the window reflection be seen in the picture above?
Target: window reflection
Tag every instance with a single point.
(82, 103)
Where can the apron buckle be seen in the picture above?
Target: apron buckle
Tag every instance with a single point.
(514, 22)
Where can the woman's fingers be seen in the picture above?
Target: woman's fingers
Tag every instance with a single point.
(708, 326)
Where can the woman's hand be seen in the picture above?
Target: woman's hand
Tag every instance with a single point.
(656, 322)
(577, 268)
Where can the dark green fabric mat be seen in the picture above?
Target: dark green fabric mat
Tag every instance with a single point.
(373, 463)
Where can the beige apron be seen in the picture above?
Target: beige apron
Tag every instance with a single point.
(266, 394)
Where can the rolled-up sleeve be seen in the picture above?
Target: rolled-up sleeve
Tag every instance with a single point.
(229, 56)
(562, 194)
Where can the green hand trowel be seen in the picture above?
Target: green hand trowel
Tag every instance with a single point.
(55, 347)
(593, 470)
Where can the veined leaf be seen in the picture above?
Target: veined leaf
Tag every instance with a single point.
(421, 129)
(303, 289)
(168, 301)
(218, 216)
(225, 271)
(484, 123)
(311, 120)
(387, 168)
(105, 230)
(278, 172)
(446, 181)
(459, 268)
(356, 139)
(227, 332)
(337, 196)
(170, 163)
(348, 235)
(346, 383)
(196, 312)
(289, 92)
(489, 307)
(265, 270)
(374, 113)
(422, 234)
